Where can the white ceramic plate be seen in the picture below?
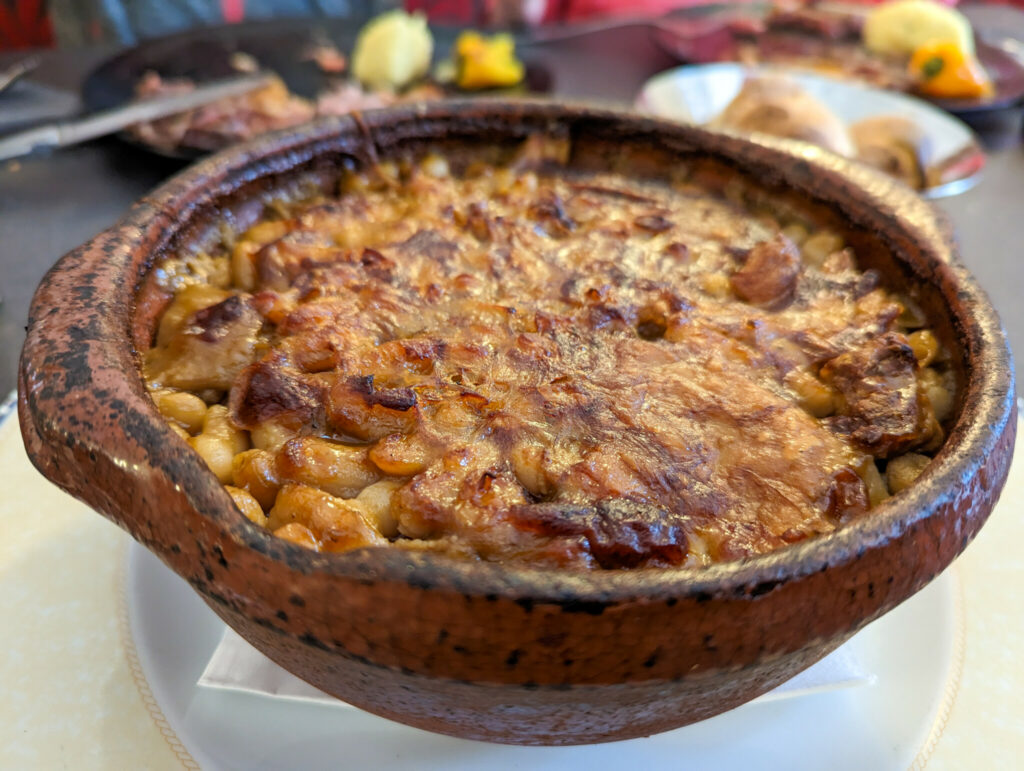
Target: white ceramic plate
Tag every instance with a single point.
(913, 651)
(698, 93)
(75, 695)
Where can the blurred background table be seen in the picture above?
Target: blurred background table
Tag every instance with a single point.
(51, 204)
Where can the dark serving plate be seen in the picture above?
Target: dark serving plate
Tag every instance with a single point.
(712, 35)
(280, 46)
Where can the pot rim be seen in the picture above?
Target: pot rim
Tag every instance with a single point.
(987, 405)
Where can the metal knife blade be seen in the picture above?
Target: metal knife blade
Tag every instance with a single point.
(64, 133)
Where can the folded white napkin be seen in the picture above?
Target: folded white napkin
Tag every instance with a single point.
(237, 666)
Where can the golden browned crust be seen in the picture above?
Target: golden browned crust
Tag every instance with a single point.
(528, 363)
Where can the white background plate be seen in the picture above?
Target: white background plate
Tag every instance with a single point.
(912, 651)
(697, 93)
(76, 697)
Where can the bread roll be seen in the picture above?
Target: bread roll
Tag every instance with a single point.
(894, 145)
(776, 105)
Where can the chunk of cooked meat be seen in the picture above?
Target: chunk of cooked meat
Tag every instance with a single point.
(210, 348)
(620, 533)
(358, 408)
(768, 277)
(219, 123)
(271, 390)
(847, 496)
(884, 412)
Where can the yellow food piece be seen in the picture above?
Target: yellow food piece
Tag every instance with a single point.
(255, 472)
(247, 505)
(392, 51)
(299, 534)
(336, 524)
(925, 345)
(900, 28)
(486, 62)
(944, 69)
(904, 470)
(219, 442)
(185, 409)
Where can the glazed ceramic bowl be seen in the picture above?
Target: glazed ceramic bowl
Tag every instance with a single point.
(476, 649)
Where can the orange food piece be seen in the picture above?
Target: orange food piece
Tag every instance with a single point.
(943, 69)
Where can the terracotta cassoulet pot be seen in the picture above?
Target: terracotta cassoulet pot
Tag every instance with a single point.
(477, 649)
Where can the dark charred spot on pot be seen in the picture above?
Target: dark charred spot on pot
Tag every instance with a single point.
(513, 658)
(552, 640)
(77, 372)
(264, 546)
(591, 608)
(84, 292)
(297, 601)
(220, 556)
(310, 639)
(420, 583)
(651, 660)
(211, 594)
(357, 657)
(148, 434)
(85, 333)
(282, 615)
(764, 587)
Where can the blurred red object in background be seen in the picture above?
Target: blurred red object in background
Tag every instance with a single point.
(532, 12)
(504, 12)
(24, 24)
(577, 10)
